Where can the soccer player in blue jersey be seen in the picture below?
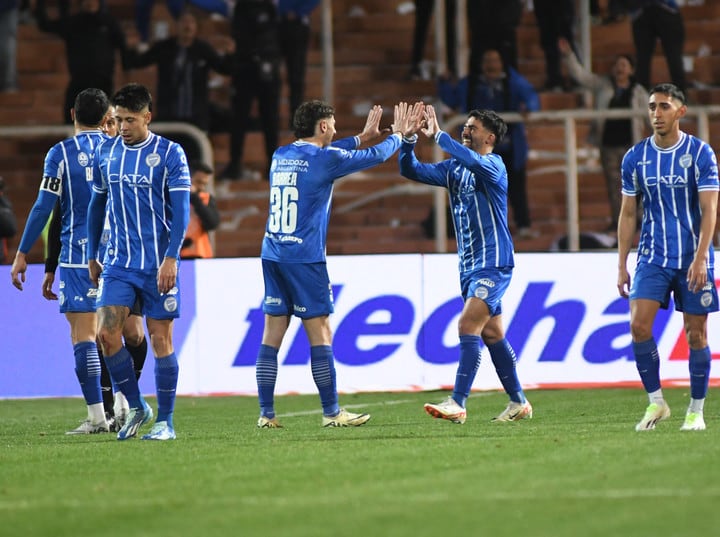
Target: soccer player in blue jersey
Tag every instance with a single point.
(145, 182)
(67, 176)
(115, 404)
(302, 175)
(477, 184)
(675, 175)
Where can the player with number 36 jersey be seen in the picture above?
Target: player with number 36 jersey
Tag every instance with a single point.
(295, 274)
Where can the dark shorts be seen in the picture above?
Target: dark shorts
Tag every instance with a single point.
(300, 289)
(653, 282)
(124, 287)
(489, 285)
(76, 293)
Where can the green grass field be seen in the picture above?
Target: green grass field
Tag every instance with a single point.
(577, 468)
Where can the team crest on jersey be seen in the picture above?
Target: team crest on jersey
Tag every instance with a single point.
(83, 159)
(685, 161)
(152, 160)
(481, 293)
(170, 304)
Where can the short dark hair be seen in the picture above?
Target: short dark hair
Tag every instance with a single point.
(671, 90)
(90, 107)
(307, 115)
(199, 166)
(628, 57)
(135, 97)
(492, 122)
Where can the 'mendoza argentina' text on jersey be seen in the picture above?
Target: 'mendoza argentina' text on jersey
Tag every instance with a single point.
(137, 180)
(668, 182)
(477, 186)
(67, 175)
(301, 183)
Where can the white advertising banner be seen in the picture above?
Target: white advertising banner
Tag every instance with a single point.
(395, 326)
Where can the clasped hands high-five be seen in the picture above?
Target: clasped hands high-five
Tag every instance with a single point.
(409, 119)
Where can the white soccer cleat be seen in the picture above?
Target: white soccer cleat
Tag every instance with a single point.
(694, 421)
(515, 412)
(87, 427)
(447, 410)
(121, 409)
(345, 419)
(136, 419)
(160, 431)
(654, 413)
(268, 423)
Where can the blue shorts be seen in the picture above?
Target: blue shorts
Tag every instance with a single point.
(122, 287)
(300, 289)
(653, 282)
(77, 293)
(489, 285)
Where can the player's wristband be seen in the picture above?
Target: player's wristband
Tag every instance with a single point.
(411, 139)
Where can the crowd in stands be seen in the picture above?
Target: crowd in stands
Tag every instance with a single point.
(268, 42)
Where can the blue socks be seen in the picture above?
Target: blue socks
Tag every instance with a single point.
(87, 369)
(322, 363)
(647, 360)
(266, 367)
(121, 370)
(504, 360)
(166, 379)
(699, 365)
(467, 368)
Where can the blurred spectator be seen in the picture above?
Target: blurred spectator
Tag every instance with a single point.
(493, 25)
(555, 20)
(204, 215)
(256, 75)
(92, 38)
(501, 89)
(9, 15)
(619, 89)
(653, 20)
(423, 14)
(617, 11)
(8, 223)
(143, 13)
(294, 34)
(183, 64)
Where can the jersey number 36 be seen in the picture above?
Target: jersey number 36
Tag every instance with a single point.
(283, 209)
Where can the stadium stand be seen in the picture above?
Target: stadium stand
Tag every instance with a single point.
(376, 211)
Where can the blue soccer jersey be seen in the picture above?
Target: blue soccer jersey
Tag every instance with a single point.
(138, 181)
(301, 183)
(477, 186)
(67, 175)
(667, 182)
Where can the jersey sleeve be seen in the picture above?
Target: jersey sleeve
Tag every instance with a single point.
(98, 170)
(707, 169)
(351, 142)
(628, 173)
(483, 166)
(53, 170)
(177, 169)
(413, 169)
(343, 162)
